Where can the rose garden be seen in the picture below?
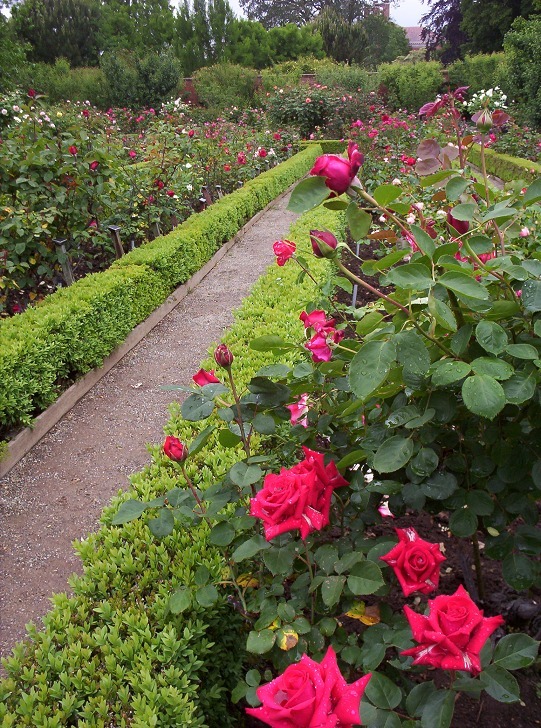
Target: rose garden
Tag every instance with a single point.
(341, 526)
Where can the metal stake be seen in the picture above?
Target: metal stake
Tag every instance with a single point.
(65, 262)
(115, 235)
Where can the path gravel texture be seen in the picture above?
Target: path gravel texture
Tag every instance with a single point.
(55, 494)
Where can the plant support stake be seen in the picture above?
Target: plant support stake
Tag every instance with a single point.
(64, 260)
(115, 235)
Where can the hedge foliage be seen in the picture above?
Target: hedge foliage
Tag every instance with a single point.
(74, 329)
(111, 654)
(506, 167)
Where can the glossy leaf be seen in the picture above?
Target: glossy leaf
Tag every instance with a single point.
(483, 395)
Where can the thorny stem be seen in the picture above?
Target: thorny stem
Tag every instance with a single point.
(191, 486)
(484, 169)
(305, 269)
(478, 570)
(389, 214)
(311, 572)
(484, 267)
(402, 308)
(245, 442)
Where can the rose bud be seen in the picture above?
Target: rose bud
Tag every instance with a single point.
(339, 173)
(460, 226)
(483, 120)
(223, 356)
(170, 193)
(94, 165)
(72, 150)
(31, 93)
(175, 449)
(191, 133)
(323, 243)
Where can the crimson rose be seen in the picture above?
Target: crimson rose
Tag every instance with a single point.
(175, 449)
(339, 173)
(283, 250)
(298, 497)
(203, 377)
(311, 694)
(453, 633)
(415, 562)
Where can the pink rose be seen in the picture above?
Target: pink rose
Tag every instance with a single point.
(298, 411)
(283, 250)
(453, 633)
(203, 377)
(298, 497)
(415, 562)
(320, 344)
(339, 172)
(316, 320)
(323, 243)
(311, 694)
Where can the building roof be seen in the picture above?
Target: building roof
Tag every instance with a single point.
(413, 34)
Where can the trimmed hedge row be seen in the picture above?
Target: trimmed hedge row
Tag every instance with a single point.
(111, 655)
(505, 167)
(73, 330)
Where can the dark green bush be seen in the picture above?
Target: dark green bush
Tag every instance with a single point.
(478, 72)
(225, 84)
(409, 85)
(60, 83)
(136, 81)
(506, 167)
(304, 107)
(521, 73)
(341, 76)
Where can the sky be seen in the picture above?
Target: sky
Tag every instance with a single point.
(404, 12)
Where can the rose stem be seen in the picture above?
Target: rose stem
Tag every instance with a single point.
(194, 493)
(311, 572)
(478, 570)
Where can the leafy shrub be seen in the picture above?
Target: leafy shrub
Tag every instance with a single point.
(139, 81)
(288, 73)
(305, 108)
(409, 85)
(520, 74)
(477, 72)
(60, 82)
(225, 84)
(341, 76)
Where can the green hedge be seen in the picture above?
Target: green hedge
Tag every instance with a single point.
(111, 655)
(329, 146)
(505, 167)
(74, 329)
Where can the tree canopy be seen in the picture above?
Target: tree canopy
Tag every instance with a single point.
(273, 13)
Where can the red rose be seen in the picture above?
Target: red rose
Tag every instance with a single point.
(191, 133)
(415, 562)
(241, 158)
(175, 449)
(277, 136)
(85, 113)
(460, 226)
(262, 152)
(31, 93)
(283, 250)
(323, 243)
(316, 320)
(159, 184)
(223, 356)
(227, 168)
(203, 377)
(170, 193)
(453, 633)
(320, 342)
(311, 694)
(72, 149)
(339, 172)
(298, 497)
(94, 165)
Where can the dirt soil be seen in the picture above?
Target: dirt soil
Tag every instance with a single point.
(56, 493)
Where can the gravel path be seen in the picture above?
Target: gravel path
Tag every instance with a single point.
(56, 493)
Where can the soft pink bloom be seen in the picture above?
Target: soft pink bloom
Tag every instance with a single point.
(320, 343)
(453, 633)
(524, 232)
(339, 173)
(203, 377)
(415, 562)
(311, 694)
(283, 250)
(299, 410)
(298, 498)
(132, 154)
(384, 509)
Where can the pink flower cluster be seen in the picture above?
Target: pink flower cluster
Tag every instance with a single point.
(324, 335)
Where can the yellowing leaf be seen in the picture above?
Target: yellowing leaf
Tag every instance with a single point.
(371, 616)
(357, 610)
(32, 295)
(287, 639)
(247, 580)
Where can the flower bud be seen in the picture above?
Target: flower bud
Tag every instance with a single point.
(323, 243)
(223, 356)
(175, 449)
(483, 120)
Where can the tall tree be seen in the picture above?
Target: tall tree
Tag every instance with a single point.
(141, 25)
(59, 28)
(442, 30)
(272, 13)
(201, 33)
(485, 22)
(12, 56)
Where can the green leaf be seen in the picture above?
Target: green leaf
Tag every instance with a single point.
(462, 284)
(493, 367)
(365, 578)
(500, 684)
(331, 589)
(308, 194)
(533, 193)
(253, 678)
(383, 693)
(522, 351)
(519, 571)
(370, 366)
(196, 407)
(335, 204)
(264, 424)
(411, 276)
(531, 296)
(520, 387)
(412, 352)
(442, 313)
(250, 548)
(163, 525)
(449, 372)
(359, 221)
(228, 438)
(440, 486)
(260, 642)
(243, 474)
(271, 342)
(455, 187)
(417, 697)
(128, 511)
(222, 534)
(393, 454)
(423, 240)
(207, 595)
(352, 458)
(515, 651)
(464, 212)
(180, 600)
(491, 336)
(480, 502)
(200, 441)
(439, 709)
(463, 523)
(483, 395)
(279, 560)
(274, 370)
(384, 194)
(460, 340)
